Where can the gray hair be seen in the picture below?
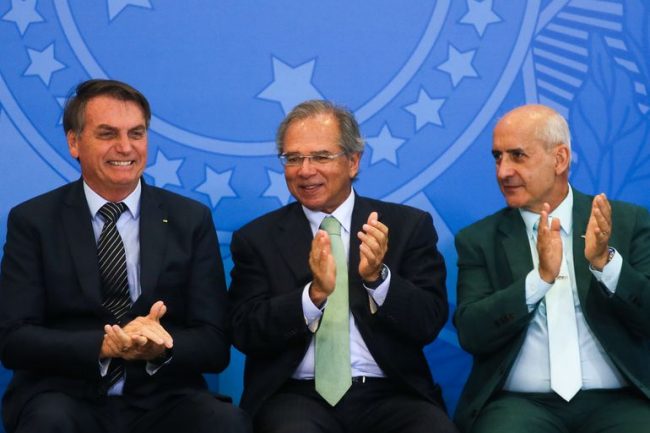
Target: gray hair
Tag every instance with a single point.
(350, 137)
(554, 131)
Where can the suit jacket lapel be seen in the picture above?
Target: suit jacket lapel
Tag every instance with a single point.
(293, 237)
(77, 225)
(515, 243)
(153, 241)
(581, 212)
(360, 212)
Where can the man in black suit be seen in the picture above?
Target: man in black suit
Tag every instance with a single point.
(80, 363)
(286, 281)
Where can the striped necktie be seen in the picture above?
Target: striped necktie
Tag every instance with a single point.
(112, 270)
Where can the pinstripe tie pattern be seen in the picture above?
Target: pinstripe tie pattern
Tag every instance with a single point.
(112, 270)
(112, 262)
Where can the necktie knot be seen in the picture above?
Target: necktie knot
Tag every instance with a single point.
(112, 211)
(331, 226)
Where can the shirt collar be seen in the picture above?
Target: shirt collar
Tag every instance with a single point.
(343, 214)
(96, 201)
(564, 212)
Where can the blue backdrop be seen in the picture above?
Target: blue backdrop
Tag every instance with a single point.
(426, 79)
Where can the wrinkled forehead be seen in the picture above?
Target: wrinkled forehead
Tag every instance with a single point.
(315, 133)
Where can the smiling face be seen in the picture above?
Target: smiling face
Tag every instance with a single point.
(112, 147)
(320, 187)
(529, 173)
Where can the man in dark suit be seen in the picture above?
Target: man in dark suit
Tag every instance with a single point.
(542, 364)
(114, 338)
(286, 291)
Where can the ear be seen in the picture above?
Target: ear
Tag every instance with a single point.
(562, 159)
(73, 144)
(353, 164)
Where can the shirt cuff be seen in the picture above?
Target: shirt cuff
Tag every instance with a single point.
(103, 366)
(311, 312)
(379, 294)
(610, 274)
(153, 366)
(536, 289)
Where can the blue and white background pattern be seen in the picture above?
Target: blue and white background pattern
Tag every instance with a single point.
(427, 81)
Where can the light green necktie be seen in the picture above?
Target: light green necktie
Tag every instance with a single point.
(332, 363)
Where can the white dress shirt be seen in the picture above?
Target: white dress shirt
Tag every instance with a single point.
(531, 370)
(362, 362)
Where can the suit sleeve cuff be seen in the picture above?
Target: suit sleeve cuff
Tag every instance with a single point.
(154, 365)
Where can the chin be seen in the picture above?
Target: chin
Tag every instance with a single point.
(514, 203)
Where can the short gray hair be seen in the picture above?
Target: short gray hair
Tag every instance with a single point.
(554, 131)
(350, 137)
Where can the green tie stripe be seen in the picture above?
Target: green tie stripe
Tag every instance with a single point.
(332, 363)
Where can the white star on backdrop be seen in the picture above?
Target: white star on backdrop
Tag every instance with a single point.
(216, 186)
(43, 64)
(384, 146)
(165, 171)
(459, 65)
(291, 86)
(426, 110)
(480, 15)
(115, 7)
(61, 101)
(277, 187)
(23, 13)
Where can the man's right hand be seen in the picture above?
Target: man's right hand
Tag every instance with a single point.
(142, 338)
(549, 246)
(323, 268)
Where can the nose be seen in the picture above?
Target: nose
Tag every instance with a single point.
(306, 167)
(504, 169)
(123, 143)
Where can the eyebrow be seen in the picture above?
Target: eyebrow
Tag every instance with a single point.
(105, 126)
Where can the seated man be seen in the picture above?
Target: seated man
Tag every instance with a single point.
(112, 292)
(332, 316)
(553, 296)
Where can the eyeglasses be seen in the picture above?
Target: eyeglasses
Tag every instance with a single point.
(296, 159)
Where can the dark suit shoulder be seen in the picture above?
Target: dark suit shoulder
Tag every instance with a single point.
(52, 198)
(391, 211)
(44, 210)
(271, 219)
(487, 224)
(626, 207)
(175, 201)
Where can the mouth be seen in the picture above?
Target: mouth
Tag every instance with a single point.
(121, 163)
(510, 185)
(310, 188)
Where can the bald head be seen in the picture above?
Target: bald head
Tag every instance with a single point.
(531, 148)
(539, 122)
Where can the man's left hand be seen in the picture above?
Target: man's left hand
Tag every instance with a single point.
(599, 230)
(143, 338)
(374, 244)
